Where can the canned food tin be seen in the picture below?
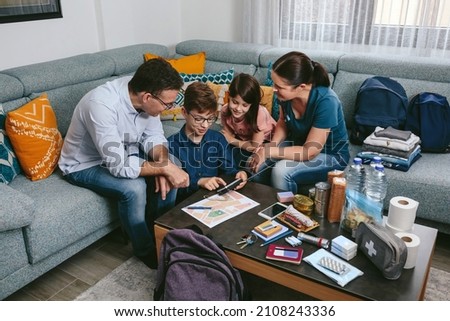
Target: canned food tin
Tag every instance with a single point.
(322, 195)
(303, 204)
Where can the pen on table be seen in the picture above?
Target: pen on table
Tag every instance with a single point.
(199, 208)
(277, 238)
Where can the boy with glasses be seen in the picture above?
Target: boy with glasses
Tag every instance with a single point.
(115, 146)
(204, 153)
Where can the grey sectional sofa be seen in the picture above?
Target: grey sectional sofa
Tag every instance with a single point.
(43, 223)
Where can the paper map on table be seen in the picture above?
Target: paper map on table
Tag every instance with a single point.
(223, 208)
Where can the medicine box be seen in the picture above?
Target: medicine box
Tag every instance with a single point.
(344, 247)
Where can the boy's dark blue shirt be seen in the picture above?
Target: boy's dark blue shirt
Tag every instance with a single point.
(212, 157)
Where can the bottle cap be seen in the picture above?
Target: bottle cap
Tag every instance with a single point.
(379, 167)
(357, 160)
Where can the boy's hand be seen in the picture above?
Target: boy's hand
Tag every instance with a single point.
(242, 175)
(211, 183)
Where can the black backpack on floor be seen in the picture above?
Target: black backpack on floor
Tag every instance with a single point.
(192, 267)
(429, 118)
(381, 101)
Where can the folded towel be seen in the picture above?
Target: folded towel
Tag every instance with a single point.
(392, 142)
(391, 158)
(393, 133)
(389, 151)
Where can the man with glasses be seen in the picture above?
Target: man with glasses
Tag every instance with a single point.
(204, 153)
(115, 146)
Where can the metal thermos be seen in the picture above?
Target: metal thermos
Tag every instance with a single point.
(321, 197)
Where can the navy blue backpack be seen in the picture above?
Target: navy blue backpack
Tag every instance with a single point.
(381, 101)
(429, 118)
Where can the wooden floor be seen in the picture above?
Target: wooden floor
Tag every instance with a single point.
(76, 275)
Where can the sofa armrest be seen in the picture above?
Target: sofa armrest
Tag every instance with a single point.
(17, 209)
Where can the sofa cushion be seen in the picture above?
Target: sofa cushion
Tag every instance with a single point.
(35, 137)
(13, 254)
(223, 55)
(9, 164)
(62, 72)
(17, 209)
(192, 64)
(127, 59)
(65, 215)
(232, 53)
(329, 59)
(11, 88)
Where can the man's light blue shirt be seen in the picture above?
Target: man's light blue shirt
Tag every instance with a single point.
(107, 130)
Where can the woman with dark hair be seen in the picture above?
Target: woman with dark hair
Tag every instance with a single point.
(310, 138)
(246, 124)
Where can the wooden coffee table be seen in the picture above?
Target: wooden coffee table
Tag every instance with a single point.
(305, 278)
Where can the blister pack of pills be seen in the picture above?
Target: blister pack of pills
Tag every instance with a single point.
(334, 267)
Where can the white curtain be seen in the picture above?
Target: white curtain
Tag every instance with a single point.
(412, 27)
(262, 22)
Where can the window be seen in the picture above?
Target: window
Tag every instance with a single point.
(413, 27)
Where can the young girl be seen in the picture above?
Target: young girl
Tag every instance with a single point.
(246, 124)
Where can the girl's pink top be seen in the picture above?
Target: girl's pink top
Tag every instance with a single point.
(243, 130)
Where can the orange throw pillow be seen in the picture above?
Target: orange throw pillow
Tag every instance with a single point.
(193, 64)
(35, 138)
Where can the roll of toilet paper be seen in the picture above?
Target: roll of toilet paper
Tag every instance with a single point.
(412, 242)
(402, 213)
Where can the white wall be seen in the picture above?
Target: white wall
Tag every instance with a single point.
(212, 19)
(93, 25)
(35, 41)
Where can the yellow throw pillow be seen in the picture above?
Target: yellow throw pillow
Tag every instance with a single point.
(35, 138)
(193, 64)
(267, 98)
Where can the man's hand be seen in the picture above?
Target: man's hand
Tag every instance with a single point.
(177, 177)
(162, 185)
(170, 176)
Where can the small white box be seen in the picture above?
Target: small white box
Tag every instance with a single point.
(346, 256)
(344, 245)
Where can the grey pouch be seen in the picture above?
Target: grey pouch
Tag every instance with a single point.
(387, 251)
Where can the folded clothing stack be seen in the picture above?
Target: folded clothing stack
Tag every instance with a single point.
(398, 149)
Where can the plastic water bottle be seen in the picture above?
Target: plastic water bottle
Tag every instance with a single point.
(356, 175)
(376, 184)
(376, 160)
